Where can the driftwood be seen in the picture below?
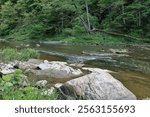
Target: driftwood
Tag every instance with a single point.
(116, 34)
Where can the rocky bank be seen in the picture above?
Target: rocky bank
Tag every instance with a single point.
(80, 82)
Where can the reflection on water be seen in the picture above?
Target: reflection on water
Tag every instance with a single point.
(132, 69)
(137, 82)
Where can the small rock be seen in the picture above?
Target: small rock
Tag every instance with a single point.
(27, 45)
(41, 83)
(49, 91)
(46, 61)
(96, 70)
(58, 85)
(119, 51)
(37, 45)
(8, 69)
(79, 65)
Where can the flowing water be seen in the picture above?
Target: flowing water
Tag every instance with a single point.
(132, 68)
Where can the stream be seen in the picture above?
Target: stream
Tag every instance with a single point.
(132, 68)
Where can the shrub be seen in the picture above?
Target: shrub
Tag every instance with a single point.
(10, 54)
(25, 54)
(11, 89)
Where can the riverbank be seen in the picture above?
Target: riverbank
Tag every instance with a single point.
(96, 39)
(91, 39)
(47, 80)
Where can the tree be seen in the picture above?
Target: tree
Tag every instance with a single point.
(39, 18)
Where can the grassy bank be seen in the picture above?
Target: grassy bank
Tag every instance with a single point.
(10, 54)
(97, 38)
(80, 37)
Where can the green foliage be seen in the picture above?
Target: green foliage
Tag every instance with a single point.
(11, 89)
(37, 19)
(10, 54)
(25, 54)
(97, 38)
(27, 93)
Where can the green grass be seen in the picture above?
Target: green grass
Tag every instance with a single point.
(10, 54)
(97, 38)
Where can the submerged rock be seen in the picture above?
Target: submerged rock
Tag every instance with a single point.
(96, 70)
(79, 65)
(97, 86)
(119, 51)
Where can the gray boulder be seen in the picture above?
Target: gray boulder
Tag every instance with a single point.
(96, 86)
(54, 70)
(51, 65)
(30, 64)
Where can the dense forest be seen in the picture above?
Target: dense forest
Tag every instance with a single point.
(33, 19)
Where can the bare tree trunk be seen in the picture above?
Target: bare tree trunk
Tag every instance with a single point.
(139, 22)
(87, 13)
(123, 11)
(86, 26)
(116, 34)
(62, 22)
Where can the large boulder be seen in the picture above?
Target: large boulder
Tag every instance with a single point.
(54, 69)
(30, 64)
(98, 85)
(50, 65)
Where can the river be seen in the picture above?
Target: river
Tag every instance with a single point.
(132, 68)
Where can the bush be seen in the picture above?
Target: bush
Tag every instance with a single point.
(68, 32)
(11, 89)
(10, 54)
(25, 54)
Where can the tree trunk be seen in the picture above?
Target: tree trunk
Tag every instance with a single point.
(123, 11)
(116, 34)
(88, 19)
(139, 22)
(85, 24)
(62, 22)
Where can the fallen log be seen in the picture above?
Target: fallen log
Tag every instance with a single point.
(117, 34)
